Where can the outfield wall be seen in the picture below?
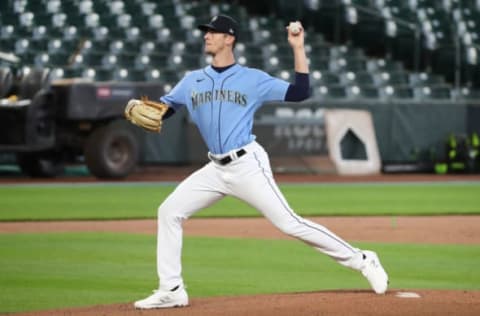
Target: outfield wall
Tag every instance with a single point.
(405, 131)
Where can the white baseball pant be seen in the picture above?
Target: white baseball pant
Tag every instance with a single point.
(250, 179)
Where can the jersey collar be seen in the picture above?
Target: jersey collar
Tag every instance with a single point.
(211, 72)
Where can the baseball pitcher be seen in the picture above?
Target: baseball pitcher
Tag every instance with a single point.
(222, 99)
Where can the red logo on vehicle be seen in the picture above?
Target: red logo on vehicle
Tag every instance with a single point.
(104, 92)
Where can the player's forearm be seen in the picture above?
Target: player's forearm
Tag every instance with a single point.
(300, 58)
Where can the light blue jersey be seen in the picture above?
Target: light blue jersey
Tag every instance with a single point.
(223, 105)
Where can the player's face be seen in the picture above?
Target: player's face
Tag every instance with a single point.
(216, 42)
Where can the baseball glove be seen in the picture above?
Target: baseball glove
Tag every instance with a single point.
(146, 113)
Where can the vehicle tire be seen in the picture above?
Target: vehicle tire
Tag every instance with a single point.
(40, 164)
(112, 151)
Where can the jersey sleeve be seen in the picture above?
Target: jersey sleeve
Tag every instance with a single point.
(176, 98)
(271, 88)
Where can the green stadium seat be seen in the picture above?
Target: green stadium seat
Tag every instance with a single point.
(469, 94)
(67, 72)
(425, 79)
(183, 61)
(357, 92)
(323, 78)
(398, 92)
(285, 74)
(90, 59)
(22, 45)
(317, 49)
(330, 92)
(7, 31)
(7, 45)
(357, 78)
(345, 51)
(278, 62)
(348, 64)
(319, 62)
(159, 59)
(124, 74)
(59, 59)
(142, 61)
(110, 61)
(126, 60)
(251, 60)
(433, 92)
(386, 78)
(247, 49)
(377, 65)
(95, 46)
(98, 74)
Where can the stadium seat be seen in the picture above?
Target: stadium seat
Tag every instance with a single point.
(357, 78)
(469, 94)
(66, 73)
(278, 62)
(348, 64)
(324, 78)
(183, 61)
(119, 46)
(98, 73)
(90, 59)
(7, 31)
(124, 74)
(433, 92)
(159, 59)
(110, 61)
(56, 45)
(397, 92)
(424, 78)
(104, 34)
(386, 78)
(251, 60)
(94, 46)
(330, 92)
(345, 51)
(363, 92)
(319, 62)
(287, 75)
(377, 65)
(7, 45)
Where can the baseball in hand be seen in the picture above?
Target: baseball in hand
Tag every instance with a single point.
(295, 27)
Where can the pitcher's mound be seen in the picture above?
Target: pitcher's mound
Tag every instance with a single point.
(361, 302)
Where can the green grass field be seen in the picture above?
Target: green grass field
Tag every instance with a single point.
(141, 201)
(46, 271)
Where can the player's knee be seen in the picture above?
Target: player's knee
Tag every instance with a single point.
(290, 228)
(166, 213)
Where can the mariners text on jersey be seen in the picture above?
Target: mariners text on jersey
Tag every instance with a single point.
(207, 94)
(199, 98)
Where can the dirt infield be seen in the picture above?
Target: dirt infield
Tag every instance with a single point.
(405, 229)
(360, 303)
(430, 230)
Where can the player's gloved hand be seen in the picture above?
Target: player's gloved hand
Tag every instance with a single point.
(146, 113)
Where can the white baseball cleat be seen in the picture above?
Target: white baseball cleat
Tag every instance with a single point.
(374, 272)
(177, 297)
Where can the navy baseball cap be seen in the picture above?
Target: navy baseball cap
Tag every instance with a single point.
(221, 24)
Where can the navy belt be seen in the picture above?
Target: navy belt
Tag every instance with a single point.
(226, 160)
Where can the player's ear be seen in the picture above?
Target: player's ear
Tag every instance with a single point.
(229, 39)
